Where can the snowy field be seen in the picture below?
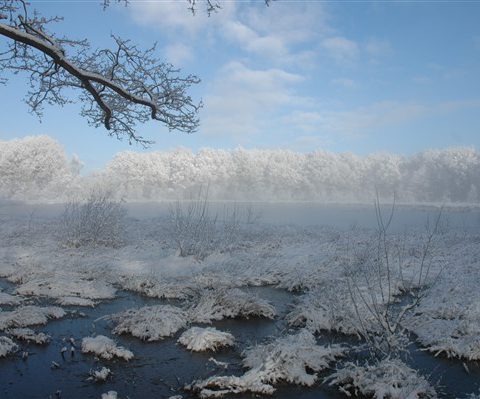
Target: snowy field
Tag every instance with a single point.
(292, 300)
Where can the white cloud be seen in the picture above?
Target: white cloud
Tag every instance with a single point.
(178, 54)
(245, 101)
(276, 33)
(174, 17)
(356, 122)
(341, 49)
(364, 120)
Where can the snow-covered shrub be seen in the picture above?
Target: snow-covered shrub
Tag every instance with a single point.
(110, 395)
(26, 334)
(7, 346)
(29, 315)
(99, 220)
(387, 379)
(328, 307)
(10, 300)
(454, 338)
(150, 323)
(198, 231)
(202, 339)
(222, 303)
(293, 359)
(193, 229)
(105, 348)
(100, 375)
(379, 272)
(68, 288)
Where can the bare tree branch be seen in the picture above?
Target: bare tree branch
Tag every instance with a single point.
(118, 88)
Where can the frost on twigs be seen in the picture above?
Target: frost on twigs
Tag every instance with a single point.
(7, 346)
(26, 334)
(387, 379)
(150, 323)
(105, 348)
(110, 395)
(201, 339)
(99, 220)
(29, 315)
(293, 359)
(229, 303)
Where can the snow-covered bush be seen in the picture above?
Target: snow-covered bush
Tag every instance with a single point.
(193, 229)
(378, 273)
(100, 375)
(293, 359)
(110, 395)
(7, 346)
(99, 220)
(387, 379)
(222, 303)
(26, 334)
(67, 288)
(29, 316)
(150, 323)
(202, 339)
(105, 348)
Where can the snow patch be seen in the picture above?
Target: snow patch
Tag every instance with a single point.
(26, 334)
(388, 379)
(66, 286)
(7, 346)
(105, 348)
(201, 339)
(110, 395)
(100, 375)
(9, 300)
(224, 303)
(29, 315)
(150, 323)
(289, 359)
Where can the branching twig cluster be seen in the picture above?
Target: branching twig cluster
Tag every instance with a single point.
(377, 279)
(99, 220)
(119, 87)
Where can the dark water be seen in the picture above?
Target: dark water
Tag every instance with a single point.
(161, 369)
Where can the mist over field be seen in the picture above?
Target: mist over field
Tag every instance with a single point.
(37, 168)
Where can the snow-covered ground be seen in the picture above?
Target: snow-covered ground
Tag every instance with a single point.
(337, 286)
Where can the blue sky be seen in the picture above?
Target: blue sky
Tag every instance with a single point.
(358, 76)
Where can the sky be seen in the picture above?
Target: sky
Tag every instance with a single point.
(342, 76)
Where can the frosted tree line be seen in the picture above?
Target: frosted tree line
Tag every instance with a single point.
(37, 168)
